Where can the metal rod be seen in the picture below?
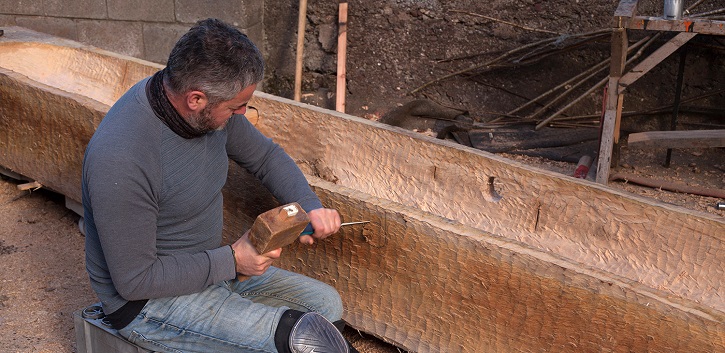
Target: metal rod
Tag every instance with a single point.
(678, 96)
(352, 223)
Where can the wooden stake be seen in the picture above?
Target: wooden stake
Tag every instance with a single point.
(341, 56)
(27, 186)
(302, 20)
(669, 185)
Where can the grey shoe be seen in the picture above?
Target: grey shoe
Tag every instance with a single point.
(312, 333)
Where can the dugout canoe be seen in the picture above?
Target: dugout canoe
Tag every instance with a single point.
(466, 251)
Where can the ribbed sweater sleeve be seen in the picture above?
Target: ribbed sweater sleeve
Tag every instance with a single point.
(268, 162)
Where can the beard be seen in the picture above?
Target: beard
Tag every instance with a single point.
(203, 121)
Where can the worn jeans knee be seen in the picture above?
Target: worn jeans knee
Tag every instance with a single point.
(232, 316)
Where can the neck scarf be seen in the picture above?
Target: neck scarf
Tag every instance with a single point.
(165, 111)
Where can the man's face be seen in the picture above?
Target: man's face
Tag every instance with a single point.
(215, 117)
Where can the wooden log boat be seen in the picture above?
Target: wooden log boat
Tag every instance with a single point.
(466, 251)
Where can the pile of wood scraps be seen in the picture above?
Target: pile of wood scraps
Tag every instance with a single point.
(430, 118)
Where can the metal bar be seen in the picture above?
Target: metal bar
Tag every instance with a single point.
(352, 223)
(678, 98)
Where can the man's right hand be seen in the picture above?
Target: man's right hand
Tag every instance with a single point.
(249, 262)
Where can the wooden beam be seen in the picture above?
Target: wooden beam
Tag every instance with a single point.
(654, 59)
(448, 287)
(677, 139)
(691, 25)
(439, 179)
(604, 161)
(609, 140)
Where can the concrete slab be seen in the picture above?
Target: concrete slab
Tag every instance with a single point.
(21, 7)
(141, 10)
(234, 12)
(119, 36)
(61, 27)
(79, 8)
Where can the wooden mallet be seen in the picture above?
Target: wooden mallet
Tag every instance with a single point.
(276, 228)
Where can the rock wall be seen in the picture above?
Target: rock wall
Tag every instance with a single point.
(395, 46)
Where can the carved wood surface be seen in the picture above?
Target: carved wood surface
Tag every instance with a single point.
(633, 237)
(466, 251)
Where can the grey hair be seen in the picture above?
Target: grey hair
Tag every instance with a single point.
(215, 58)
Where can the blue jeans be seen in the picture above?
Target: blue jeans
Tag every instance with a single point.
(231, 316)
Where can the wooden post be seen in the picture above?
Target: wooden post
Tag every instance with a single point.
(341, 56)
(609, 140)
(301, 21)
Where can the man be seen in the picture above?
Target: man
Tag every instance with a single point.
(152, 179)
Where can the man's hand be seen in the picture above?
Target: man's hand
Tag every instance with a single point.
(249, 262)
(325, 222)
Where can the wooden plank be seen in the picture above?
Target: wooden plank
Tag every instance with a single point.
(691, 25)
(604, 161)
(677, 139)
(654, 59)
(466, 251)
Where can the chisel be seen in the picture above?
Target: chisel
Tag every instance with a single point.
(309, 230)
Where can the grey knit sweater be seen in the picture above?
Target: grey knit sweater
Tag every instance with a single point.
(153, 204)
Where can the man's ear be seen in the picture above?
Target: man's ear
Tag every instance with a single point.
(196, 100)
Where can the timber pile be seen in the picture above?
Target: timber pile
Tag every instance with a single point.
(465, 252)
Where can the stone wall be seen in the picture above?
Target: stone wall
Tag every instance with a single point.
(139, 28)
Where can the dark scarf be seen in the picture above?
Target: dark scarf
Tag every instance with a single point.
(164, 110)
